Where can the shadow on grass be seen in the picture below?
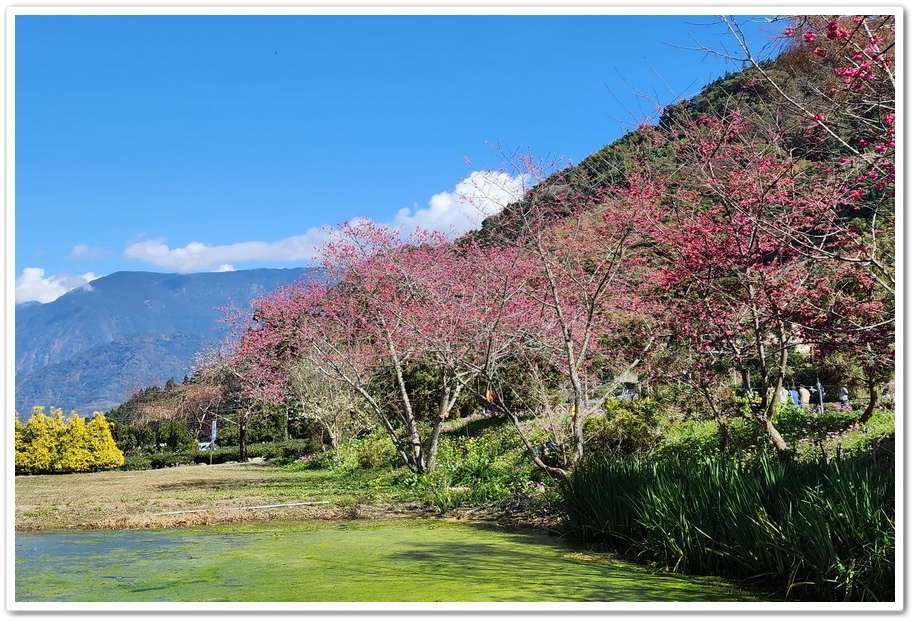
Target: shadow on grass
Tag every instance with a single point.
(205, 484)
(472, 428)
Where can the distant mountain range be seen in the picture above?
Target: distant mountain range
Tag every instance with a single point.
(93, 347)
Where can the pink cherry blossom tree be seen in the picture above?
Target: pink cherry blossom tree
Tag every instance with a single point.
(836, 78)
(826, 147)
(388, 304)
(739, 292)
(576, 261)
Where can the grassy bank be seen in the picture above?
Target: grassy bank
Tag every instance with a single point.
(198, 494)
(201, 494)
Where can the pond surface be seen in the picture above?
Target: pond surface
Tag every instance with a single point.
(354, 561)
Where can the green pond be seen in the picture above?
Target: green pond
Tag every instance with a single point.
(353, 561)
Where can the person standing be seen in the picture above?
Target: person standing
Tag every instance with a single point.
(844, 397)
(804, 396)
(793, 396)
(783, 395)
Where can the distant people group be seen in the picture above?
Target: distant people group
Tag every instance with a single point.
(811, 396)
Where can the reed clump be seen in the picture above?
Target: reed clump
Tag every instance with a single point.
(815, 531)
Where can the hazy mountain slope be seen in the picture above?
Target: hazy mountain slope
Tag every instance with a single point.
(93, 346)
(102, 377)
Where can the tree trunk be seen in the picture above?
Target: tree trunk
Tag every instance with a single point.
(433, 445)
(776, 438)
(766, 419)
(872, 403)
(243, 442)
(447, 399)
(725, 438)
(418, 464)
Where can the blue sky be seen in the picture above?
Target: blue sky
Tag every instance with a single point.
(191, 143)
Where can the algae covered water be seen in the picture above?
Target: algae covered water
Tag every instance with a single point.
(353, 561)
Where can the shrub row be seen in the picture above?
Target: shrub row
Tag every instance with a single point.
(280, 452)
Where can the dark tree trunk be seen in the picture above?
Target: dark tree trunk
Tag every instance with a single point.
(243, 441)
(872, 403)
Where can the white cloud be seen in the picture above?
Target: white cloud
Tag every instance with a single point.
(86, 252)
(197, 256)
(32, 285)
(481, 194)
(453, 212)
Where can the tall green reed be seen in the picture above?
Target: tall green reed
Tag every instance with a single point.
(820, 531)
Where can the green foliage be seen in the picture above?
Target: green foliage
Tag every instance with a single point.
(229, 454)
(175, 436)
(131, 439)
(47, 445)
(811, 436)
(227, 434)
(474, 470)
(745, 436)
(423, 383)
(819, 529)
(326, 459)
(277, 452)
(283, 451)
(171, 458)
(799, 423)
(690, 439)
(477, 463)
(267, 429)
(137, 462)
(836, 433)
(874, 440)
(372, 451)
(628, 428)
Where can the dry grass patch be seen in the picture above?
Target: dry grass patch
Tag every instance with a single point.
(198, 495)
(177, 496)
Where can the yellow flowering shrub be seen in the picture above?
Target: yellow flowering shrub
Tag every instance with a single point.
(105, 453)
(46, 445)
